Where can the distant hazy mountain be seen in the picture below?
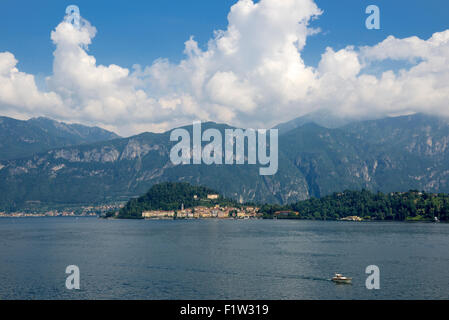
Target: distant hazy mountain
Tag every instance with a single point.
(320, 118)
(123, 168)
(23, 138)
(393, 154)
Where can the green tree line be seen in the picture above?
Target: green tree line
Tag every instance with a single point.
(398, 206)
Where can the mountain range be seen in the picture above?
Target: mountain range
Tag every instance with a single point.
(391, 154)
(24, 138)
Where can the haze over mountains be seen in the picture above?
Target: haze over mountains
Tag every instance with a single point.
(392, 154)
(23, 138)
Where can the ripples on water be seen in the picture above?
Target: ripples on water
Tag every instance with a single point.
(213, 259)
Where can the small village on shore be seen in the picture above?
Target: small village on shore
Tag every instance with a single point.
(69, 211)
(201, 212)
(206, 212)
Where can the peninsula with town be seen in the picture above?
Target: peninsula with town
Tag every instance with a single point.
(179, 200)
(184, 201)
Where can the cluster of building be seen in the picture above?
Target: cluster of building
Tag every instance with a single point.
(88, 211)
(288, 213)
(351, 218)
(201, 212)
(101, 209)
(45, 214)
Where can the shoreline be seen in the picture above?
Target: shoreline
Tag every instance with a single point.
(226, 219)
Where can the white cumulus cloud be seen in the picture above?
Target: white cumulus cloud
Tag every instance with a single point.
(250, 75)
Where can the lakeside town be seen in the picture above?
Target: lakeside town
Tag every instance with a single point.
(201, 212)
(84, 211)
(217, 211)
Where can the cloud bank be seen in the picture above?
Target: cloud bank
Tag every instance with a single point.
(250, 75)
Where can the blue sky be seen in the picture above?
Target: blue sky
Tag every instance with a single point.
(132, 32)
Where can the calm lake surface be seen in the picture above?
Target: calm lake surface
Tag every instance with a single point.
(214, 259)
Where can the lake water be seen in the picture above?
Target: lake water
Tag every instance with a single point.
(221, 259)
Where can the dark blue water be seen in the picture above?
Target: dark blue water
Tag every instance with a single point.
(212, 259)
